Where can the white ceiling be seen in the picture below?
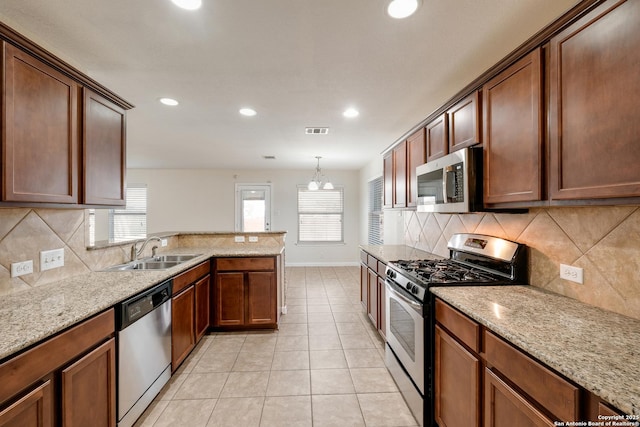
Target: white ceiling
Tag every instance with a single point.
(299, 63)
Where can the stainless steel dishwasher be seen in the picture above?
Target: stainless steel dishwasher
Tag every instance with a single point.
(143, 325)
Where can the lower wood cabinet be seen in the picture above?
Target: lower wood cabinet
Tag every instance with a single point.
(68, 379)
(189, 311)
(88, 389)
(372, 290)
(34, 409)
(245, 293)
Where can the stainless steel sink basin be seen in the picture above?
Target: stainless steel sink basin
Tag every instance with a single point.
(160, 262)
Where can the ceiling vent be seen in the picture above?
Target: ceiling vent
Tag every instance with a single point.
(269, 157)
(316, 131)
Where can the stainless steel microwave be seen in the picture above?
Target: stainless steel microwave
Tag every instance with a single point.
(452, 183)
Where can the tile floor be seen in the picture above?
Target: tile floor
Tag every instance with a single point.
(323, 367)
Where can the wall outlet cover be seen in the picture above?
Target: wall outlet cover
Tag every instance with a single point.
(239, 239)
(574, 274)
(21, 268)
(163, 242)
(253, 239)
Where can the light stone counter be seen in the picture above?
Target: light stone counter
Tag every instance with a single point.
(387, 253)
(31, 316)
(597, 349)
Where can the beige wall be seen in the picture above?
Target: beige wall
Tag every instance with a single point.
(203, 200)
(604, 241)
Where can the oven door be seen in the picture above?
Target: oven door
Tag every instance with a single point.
(405, 331)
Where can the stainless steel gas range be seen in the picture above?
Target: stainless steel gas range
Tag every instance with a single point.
(474, 259)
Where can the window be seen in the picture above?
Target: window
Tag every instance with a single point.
(320, 215)
(130, 223)
(375, 235)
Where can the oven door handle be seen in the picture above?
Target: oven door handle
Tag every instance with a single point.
(414, 305)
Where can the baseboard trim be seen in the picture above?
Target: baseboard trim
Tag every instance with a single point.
(322, 264)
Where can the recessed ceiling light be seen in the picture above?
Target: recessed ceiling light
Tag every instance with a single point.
(188, 4)
(350, 113)
(169, 101)
(249, 112)
(402, 8)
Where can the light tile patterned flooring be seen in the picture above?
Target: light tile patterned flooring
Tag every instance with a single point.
(323, 367)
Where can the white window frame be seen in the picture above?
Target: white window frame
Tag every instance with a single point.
(304, 188)
(134, 194)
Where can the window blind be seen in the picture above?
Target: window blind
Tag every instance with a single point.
(130, 223)
(320, 215)
(375, 235)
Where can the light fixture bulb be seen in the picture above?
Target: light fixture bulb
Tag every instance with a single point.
(400, 9)
(327, 186)
(249, 112)
(319, 180)
(169, 101)
(313, 186)
(188, 4)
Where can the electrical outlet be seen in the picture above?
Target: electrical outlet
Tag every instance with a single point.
(253, 239)
(569, 272)
(51, 259)
(163, 242)
(239, 239)
(21, 268)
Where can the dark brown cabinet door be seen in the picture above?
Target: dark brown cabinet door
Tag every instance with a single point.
(34, 409)
(104, 152)
(182, 326)
(89, 389)
(457, 383)
(364, 286)
(40, 136)
(229, 299)
(436, 135)
(387, 177)
(382, 307)
(261, 298)
(415, 157)
(464, 123)
(513, 136)
(503, 406)
(202, 294)
(372, 305)
(400, 175)
(594, 108)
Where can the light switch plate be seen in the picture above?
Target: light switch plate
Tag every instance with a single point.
(163, 242)
(253, 239)
(51, 259)
(239, 239)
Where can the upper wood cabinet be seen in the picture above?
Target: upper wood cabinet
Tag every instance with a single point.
(104, 151)
(400, 175)
(594, 124)
(415, 157)
(387, 178)
(40, 131)
(465, 122)
(436, 138)
(513, 133)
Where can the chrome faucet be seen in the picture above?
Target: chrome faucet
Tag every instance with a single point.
(136, 253)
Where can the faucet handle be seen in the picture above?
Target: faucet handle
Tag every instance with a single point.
(154, 250)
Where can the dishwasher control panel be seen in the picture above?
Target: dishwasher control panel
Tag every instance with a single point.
(137, 306)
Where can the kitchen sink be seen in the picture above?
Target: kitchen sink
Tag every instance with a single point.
(159, 262)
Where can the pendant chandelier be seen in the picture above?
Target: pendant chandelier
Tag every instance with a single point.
(319, 180)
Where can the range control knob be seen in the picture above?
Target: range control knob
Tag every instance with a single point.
(414, 290)
(391, 274)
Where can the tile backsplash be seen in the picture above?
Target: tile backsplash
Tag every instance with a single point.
(604, 241)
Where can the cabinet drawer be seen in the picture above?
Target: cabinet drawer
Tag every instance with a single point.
(183, 280)
(550, 390)
(381, 269)
(372, 262)
(363, 257)
(465, 329)
(246, 264)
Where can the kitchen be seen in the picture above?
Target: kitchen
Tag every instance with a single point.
(576, 236)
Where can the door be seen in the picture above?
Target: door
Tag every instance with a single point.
(228, 299)
(34, 409)
(182, 326)
(89, 389)
(261, 298)
(202, 287)
(253, 207)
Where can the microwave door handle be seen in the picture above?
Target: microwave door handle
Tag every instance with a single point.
(445, 187)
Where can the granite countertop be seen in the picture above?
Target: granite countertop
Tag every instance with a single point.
(29, 317)
(388, 253)
(597, 349)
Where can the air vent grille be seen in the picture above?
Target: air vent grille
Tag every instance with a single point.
(316, 131)
(269, 157)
